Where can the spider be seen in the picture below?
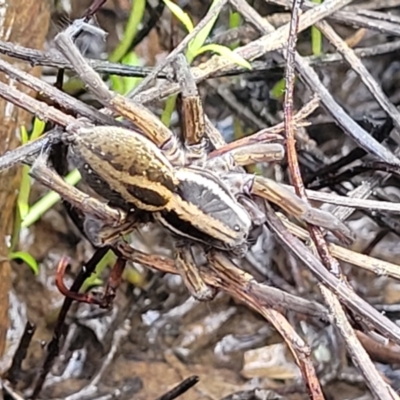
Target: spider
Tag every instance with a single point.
(204, 199)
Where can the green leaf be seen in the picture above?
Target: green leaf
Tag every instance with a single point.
(234, 22)
(234, 19)
(117, 84)
(24, 135)
(279, 89)
(168, 110)
(24, 192)
(316, 37)
(48, 201)
(108, 260)
(197, 42)
(227, 53)
(38, 128)
(27, 259)
(129, 82)
(124, 84)
(135, 17)
(180, 14)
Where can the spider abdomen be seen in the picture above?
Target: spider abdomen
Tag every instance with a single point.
(132, 166)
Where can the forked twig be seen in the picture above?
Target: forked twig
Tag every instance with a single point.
(234, 282)
(53, 347)
(273, 40)
(343, 291)
(221, 273)
(359, 356)
(56, 60)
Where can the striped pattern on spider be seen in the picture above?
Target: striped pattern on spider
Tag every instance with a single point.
(197, 190)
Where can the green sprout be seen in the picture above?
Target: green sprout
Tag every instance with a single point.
(27, 215)
(23, 208)
(316, 37)
(135, 18)
(316, 46)
(235, 19)
(196, 47)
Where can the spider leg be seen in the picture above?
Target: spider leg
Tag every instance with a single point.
(288, 201)
(272, 191)
(246, 155)
(143, 118)
(193, 115)
(187, 269)
(101, 234)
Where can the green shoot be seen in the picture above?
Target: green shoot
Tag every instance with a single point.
(180, 15)
(123, 84)
(27, 259)
(25, 187)
(120, 84)
(196, 47)
(48, 201)
(316, 37)
(22, 209)
(168, 110)
(94, 280)
(135, 18)
(279, 89)
(235, 20)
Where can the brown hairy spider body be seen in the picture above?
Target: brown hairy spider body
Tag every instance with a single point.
(123, 167)
(149, 175)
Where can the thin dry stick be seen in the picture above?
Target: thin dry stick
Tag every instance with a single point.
(372, 264)
(64, 100)
(353, 19)
(359, 356)
(234, 281)
(352, 202)
(374, 4)
(311, 78)
(265, 134)
(346, 294)
(358, 67)
(55, 59)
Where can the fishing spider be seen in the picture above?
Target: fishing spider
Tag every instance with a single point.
(203, 198)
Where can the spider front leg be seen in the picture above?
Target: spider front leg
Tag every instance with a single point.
(191, 276)
(288, 201)
(272, 191)
(144, 119)
(193, 127)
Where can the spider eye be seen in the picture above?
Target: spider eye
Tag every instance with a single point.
(236, 228)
